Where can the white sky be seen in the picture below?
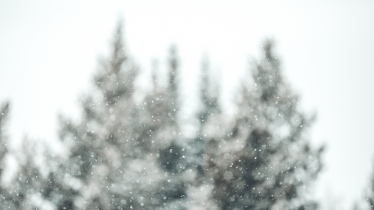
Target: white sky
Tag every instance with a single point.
(49, 50)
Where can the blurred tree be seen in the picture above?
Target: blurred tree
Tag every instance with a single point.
(265, 160)
(199, 185)
(357, 206)
(5, 197)
(28, 183)
(24, 182)
(4, 112)
(370, 193)
(369, 197)
(124, 154)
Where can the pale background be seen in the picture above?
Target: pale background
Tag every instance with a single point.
(49, 50)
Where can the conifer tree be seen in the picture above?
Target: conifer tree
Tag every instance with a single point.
(5, 197)
(28, 183)
(370, 193)
(265, 160)
(4, 112)
(199, 185)
(123, 154)
(23, 190)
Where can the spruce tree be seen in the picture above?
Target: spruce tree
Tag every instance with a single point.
(370, 193)
(23, 190)
(264, 161)
(28, 183)
(199, 185)
(4, 112)
(123, 153)
(5, 196)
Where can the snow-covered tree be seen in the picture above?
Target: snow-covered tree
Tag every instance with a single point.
(123, 153)
(370, 193)
(263, 161)
(4, 112)
(5, 197)
(24, 182)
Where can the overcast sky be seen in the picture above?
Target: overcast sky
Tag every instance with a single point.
(49, 50)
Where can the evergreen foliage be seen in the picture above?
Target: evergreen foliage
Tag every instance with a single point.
(129, 154)
(264, 160)
(4, 112)
(370, 193)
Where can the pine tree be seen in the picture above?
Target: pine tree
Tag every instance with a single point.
(370, 193)
(199, 185)
(5, 197)
(4, 112)
(124, 154)
(23, 190)
(28, 182)
(104, 142)
(265, 160)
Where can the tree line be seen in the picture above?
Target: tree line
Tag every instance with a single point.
(126, 154)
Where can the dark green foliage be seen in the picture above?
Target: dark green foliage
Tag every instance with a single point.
(170, 157)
